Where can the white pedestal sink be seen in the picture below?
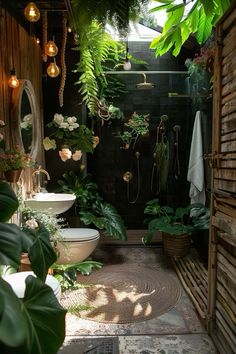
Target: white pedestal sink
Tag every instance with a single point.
(53, 203)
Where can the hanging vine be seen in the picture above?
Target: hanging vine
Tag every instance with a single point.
(96, 47)
(63, 61)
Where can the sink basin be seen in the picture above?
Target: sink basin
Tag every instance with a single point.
(53, 203)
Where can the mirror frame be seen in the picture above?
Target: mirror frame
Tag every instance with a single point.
(16, 135)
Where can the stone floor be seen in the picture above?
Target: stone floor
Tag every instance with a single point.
(179, 331)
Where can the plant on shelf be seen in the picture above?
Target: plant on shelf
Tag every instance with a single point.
(92, 208)
(14, 159)
(24, 322)
(137, 125)
(73, 138)
(175, 224)
(200, 70)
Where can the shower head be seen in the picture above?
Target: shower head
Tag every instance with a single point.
(176, 128)
(145, 85)
(164, 118)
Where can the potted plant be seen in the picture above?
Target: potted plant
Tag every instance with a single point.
(13, 161)
(24, 323)
(176, 225)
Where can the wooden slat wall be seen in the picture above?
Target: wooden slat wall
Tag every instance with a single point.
(222, 252)
(21, 50)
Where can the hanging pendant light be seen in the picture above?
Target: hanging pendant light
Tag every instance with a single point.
(13, 82)
(53, 70)
(51, 49)
(31, 12)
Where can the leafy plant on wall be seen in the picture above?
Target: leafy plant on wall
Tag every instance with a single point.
(183, 19)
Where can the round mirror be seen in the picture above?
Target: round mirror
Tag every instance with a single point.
(25, 118)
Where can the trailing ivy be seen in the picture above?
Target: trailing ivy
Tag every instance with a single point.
(183, 21)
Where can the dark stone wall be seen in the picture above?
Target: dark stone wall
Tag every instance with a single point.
(109, 161)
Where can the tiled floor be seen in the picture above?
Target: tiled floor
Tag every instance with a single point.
(178, 331)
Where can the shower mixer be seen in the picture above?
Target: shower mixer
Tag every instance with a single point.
(128, 176)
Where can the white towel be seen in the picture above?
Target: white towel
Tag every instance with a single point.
(196, 165)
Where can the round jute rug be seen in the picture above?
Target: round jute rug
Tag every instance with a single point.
(124, 294)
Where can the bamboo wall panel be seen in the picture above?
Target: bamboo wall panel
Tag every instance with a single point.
(222, 251)
(18, 50)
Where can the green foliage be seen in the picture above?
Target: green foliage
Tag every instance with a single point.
(67, 273)
(36, 324)
(41, 253)
(93, 209)
(117, 12)
(175, 222)
(161, 158)
(8, 202)
(181, 22)
(137, 125)
(96, 48)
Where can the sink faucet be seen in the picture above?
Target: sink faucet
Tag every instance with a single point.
(37, 188)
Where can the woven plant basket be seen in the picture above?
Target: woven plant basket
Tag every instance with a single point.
(176, 245)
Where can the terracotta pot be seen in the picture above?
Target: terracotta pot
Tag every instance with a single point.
(12, 175)
(176, 245)
(25, 264)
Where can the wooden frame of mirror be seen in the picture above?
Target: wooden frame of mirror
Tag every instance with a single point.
(25, 86)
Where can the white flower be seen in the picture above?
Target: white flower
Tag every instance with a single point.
(65, 154)
(75, 125)
(28, 118)
(71, 128)
(2, 123)
(32, 224)
(58, 118)
(23, 125)
(77, 155)
(71, 120)
(49, 144)
(64, 125)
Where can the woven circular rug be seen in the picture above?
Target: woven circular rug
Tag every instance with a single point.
(124, 294)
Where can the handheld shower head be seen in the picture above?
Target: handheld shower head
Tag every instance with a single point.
(177, 128)
(145, 85)
(164, 118)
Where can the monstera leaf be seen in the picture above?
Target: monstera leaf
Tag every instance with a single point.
(12, 242)
(104, 216)
(41, 253)
(8, 202)
(34, 325)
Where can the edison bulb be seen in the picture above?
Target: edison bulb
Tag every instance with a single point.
(31, 12)
(51, 49)
(127, 65)
(13, 82)
(53, 70)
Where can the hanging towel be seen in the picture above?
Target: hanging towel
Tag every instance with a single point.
(196, 164)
